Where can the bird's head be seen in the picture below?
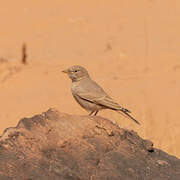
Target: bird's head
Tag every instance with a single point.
(76, 73)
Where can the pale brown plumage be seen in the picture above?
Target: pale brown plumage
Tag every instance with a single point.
(90, 95)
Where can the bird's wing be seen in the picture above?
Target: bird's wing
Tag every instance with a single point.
(89, 90)
(100, 99)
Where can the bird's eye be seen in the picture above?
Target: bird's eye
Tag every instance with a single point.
(76, 71)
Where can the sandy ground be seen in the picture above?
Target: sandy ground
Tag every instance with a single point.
(131, 48)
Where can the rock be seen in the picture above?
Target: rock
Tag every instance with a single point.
(58, 146)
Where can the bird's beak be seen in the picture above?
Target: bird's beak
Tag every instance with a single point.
(65, 71)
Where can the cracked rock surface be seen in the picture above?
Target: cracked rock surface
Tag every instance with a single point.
(58, 146)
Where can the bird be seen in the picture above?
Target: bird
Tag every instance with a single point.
(90, 95)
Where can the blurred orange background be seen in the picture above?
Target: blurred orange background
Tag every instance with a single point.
(131, 48)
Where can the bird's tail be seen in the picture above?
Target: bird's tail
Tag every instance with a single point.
(126, 112)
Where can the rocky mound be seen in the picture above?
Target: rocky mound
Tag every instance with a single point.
(58, 146)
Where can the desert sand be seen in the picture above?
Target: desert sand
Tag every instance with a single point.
(131, 48)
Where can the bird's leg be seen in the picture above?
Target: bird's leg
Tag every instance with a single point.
(96, 113)
(91, 113)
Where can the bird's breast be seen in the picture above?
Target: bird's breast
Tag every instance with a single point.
(74, 86)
